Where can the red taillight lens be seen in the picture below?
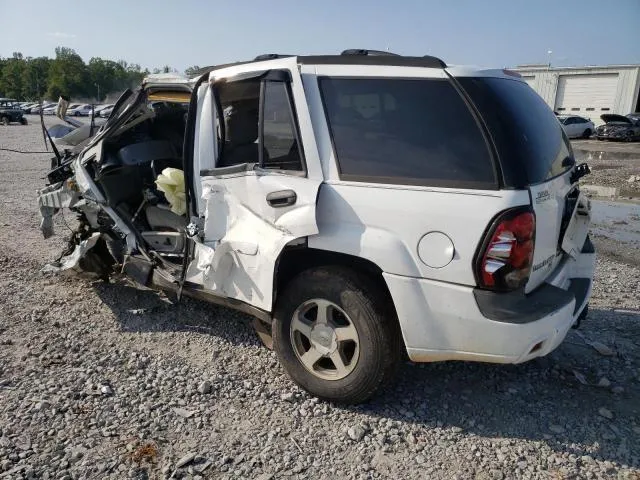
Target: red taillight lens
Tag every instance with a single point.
(505, 262)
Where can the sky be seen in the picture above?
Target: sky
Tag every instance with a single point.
(486, 33)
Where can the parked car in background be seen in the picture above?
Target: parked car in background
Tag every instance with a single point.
(80, 111)
(10, 112)
(576, 126)
(50, 110)
(31, 108)
(26, 108)
(98, 108)
(619, 127)
(36, 108)
(634, 116)
(105, 112)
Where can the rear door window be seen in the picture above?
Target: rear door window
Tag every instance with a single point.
(281, 150)
(405, 131)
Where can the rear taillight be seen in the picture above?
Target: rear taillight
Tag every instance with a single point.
(504, 262)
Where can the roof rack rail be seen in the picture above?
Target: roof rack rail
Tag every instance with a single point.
(436, 60)
(270, 56)
(364, 51)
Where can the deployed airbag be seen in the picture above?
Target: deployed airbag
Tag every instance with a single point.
(171, 183)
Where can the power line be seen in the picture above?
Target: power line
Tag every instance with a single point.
(19, 151)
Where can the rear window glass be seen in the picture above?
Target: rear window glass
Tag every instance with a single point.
(405, 131)
(527, 134)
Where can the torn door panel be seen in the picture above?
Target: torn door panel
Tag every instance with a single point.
(239, 254)
(299, 219)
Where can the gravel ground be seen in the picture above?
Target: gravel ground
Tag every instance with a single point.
(100, 380)
(612, 164)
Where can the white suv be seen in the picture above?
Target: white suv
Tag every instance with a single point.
(357, 205)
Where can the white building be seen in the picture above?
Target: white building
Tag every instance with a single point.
(586, 91)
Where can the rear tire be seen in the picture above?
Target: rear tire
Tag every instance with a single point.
(4, 121)
(23, 121)
(307, 342)
(586, 133)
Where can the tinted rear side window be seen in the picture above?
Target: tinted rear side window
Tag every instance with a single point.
(405, 131)
(280, 143)
(529, 138)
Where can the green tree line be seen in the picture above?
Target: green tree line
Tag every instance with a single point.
(28, 78)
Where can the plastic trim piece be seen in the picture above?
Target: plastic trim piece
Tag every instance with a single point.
(518, 308)
(231, 169)
(579, 287)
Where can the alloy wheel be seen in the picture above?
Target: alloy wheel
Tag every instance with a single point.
(325, 339)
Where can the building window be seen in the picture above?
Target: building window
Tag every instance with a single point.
(590, 109)
(575, 109)
(561, 108)
(606, 109)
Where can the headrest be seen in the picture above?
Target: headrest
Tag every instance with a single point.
(242, 125)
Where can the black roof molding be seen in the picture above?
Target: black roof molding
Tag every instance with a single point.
(270, 56)
(276, 75)
(388, 60)
(362, 51)
(348, 57)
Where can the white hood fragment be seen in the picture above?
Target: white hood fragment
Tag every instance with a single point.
(71, 261)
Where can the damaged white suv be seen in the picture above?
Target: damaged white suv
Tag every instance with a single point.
(358, 205)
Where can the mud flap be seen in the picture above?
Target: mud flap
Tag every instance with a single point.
(264, 333)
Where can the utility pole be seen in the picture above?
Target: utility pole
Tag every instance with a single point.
(98, 85)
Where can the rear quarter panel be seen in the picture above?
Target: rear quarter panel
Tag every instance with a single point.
(385, 223)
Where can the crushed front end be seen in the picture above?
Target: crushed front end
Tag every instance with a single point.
(86, 252)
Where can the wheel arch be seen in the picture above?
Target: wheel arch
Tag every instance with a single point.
(296, 259)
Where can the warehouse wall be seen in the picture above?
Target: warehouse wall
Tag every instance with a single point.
(545, 83)
(627, 91)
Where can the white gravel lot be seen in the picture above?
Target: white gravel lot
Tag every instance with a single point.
(101, 380)
(612, 164)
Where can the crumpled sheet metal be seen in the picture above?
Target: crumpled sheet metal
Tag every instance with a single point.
(71, 261)
(50, 200)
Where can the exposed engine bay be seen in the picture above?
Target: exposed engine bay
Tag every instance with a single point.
(127, 190)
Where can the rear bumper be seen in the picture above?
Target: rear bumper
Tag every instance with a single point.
(442, 321)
